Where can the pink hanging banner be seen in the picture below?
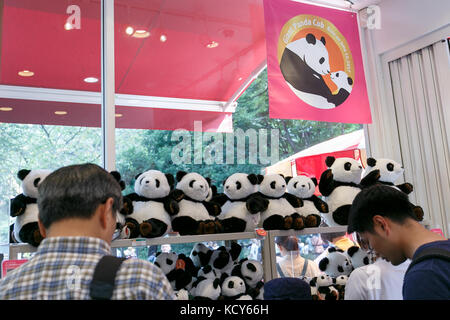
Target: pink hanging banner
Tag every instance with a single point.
(314, 63)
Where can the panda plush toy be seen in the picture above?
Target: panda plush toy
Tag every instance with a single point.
(200, 255)
(24, 207)
(240, 203)
(122, 231)
(339, 283)
(252, 272)
(152, 206)
(234, 288)
(304, 188)
(322, 288)
(178, 269)
(389, 172)
(340, 184)
(196, 215)
(336, 263)
(358, 257)
(206, 289)
(281, 211)
(224, 259)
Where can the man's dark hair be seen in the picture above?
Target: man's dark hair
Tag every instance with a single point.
(329, 236)
(75, 192)
(380, 200)
(289, 243)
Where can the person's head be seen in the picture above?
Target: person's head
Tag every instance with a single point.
(79, 195)
(382, 216)
(287, 289)
(287, 244)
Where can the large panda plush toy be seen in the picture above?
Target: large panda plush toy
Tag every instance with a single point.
(358, 257)
(303, 64)
(304, 188)
(389, 172)
(196, 215)
(152, 206)
(240, 203)
(340, 185)
(24, 207)
(281, 211)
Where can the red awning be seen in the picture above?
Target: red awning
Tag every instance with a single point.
(159, 84)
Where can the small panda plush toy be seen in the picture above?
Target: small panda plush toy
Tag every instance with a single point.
(178, 269)
(152, 206)
(240, 203)
(122, 231)
(339, 283)
(358, 257)
(304, 188)
(252, 272)
(234, 288)
(340, 185)
(200, 255)
(389, 172)
(281, 211)
(24, 207)
(206, 289)
(208, 272)
(224, 259)
(196, 215)
(322, 288)
(336, 263)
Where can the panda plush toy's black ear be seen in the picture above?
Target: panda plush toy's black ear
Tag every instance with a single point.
(23, 173)
(253, 178)
(288, 179)
(323, 264)
(260, 178)
(322, 39)
(137, 176)
(310, 38)
(180, 175)
(170, 179)
(329, 161)
(314, 180)
(352, 250)
(371, 162)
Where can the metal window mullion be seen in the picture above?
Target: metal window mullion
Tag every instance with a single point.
(107, 81)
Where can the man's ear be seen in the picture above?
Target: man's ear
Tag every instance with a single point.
(381, 223)
(42, 229)
(106, 213)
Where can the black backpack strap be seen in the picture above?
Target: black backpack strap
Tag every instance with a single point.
(305, 268)
(281, 273)
(430, 253)
(102, 284)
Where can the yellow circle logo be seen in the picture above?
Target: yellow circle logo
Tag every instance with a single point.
(316, 61)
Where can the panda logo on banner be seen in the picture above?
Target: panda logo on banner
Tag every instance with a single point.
(315, 61)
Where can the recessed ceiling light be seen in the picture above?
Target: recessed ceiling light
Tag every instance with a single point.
(60, 113)
(5, 108)
(68, 26)
(118, 115)
(26, 73)
(141, 34)
(240, 78)
(212, 44)
(163, 38)
(90, 80)
(129, 31)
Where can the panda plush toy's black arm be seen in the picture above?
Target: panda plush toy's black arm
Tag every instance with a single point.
(171, 206)
(213, 208)
(326, 183)
(19, 204)
(256, 203)
(321, 205)
(294, 201)
(220, 198)
(127, 208)
(405, 187)
(371, 178)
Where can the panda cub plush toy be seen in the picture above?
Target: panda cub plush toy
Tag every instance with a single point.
(224, 259)
(196, 215)
(340, 185)
(200, 255)
(206, 289)
(240, 203)
(322, 288)
(178, 269)
(252, 272)
(336, 263)
(152, 206)
(281, 212)
(304, 188)
(122, 231)
(389, 171)
(24, 207)
(358, 257)
(234, 288)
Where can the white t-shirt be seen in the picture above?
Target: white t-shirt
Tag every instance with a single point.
(378, 281)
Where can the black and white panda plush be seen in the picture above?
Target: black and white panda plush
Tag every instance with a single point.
(344, 84)
(281, 212)
(240, 203)
(208, 272)
(206, 289)
(234, 288)
(336, 263)
(339, 283)
(358, 257)
(152, 206)
(196, 215)
(24, 207)
(340, 185)
(303, 64)
(122, 231)
(322, 288)
(252, 272)
(304, 188)
(389, 172)
(224, 259)
(178, 269)
(200, 255)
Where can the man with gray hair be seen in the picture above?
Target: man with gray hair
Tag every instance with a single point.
(77, 217)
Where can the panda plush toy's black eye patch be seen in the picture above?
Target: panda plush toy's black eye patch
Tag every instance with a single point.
(390, 167)
(36, 182)
(191, 184)
(238, 185)
(347, 166)
(273, 184)
(322, 60)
